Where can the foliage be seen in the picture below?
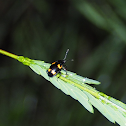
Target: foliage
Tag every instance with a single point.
(94, 31)
(78, 88)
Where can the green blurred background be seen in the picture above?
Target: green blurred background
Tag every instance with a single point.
(95, 33)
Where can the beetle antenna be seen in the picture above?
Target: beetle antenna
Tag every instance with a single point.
(70, 60)
(66, 54)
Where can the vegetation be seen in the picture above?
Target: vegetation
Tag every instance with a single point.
(94, 31)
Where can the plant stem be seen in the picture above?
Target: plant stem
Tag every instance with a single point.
(85, 87)
(8, 54)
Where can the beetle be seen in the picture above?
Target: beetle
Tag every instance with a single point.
(57, 66)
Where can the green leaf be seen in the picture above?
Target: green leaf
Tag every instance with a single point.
(77, 87)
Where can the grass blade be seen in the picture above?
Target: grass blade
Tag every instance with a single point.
(78, 88)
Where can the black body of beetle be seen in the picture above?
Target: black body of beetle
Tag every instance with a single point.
(56, 66)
